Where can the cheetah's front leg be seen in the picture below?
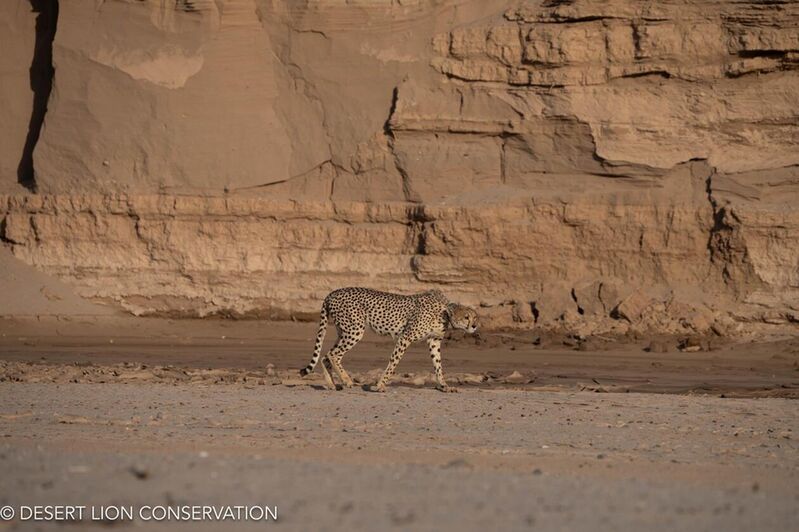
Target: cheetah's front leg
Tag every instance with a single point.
(399, 350)
(434, 344)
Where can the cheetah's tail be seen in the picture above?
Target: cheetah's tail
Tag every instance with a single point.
(320, 336)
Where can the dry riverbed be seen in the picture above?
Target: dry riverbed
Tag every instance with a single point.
(175, 414)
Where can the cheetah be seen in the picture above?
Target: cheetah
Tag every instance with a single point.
(407, 319)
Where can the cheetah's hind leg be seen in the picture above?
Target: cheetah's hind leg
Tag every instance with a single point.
(346, 341)
(326, 370)
(346, 380)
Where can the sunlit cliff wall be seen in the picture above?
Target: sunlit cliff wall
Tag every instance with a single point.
(593, 165)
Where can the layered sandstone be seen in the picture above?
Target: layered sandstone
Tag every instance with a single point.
(576, 265)
(593, 165)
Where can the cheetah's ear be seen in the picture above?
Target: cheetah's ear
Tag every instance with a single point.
(450, 310)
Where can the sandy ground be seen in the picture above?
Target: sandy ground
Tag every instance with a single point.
(153, 412)
(234, 350)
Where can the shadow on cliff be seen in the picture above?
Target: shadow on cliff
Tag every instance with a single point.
(41, 80)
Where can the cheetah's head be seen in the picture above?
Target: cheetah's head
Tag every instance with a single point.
(462, 317)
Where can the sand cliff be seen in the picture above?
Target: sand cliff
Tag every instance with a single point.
(592, 165)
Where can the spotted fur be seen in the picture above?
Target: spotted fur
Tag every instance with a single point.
(407, 319)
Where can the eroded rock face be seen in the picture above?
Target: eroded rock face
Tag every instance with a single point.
(592, 165)
(587, 267)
